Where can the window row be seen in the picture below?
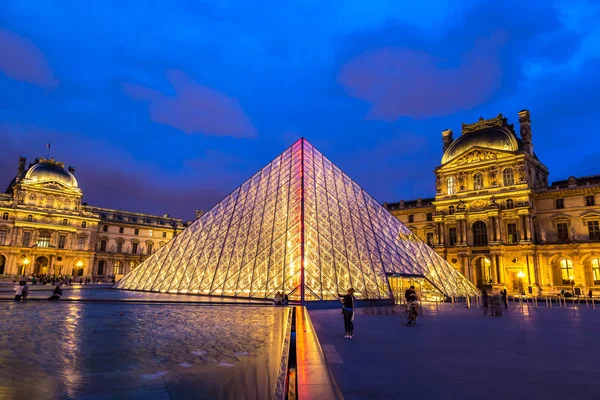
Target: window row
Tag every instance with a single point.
(589, 201)
(568, 276)
(562, 229)
(119, 247)
(508, 179)
(136, 231)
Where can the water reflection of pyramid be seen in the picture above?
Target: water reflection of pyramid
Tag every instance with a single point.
(300, 210)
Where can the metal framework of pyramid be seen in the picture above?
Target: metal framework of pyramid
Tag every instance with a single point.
(300, 226)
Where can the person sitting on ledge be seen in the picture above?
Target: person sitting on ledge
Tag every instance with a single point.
(57, 293)
(278, 298)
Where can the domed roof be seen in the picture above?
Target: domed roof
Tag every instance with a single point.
(497, 136)
(49, 170)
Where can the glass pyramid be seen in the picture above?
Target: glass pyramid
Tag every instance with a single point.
(301, 226)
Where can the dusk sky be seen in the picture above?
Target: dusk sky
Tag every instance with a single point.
(167, 106)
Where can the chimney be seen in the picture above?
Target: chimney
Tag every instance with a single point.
(525, 123)
(72, 170)
(447, 138)
(21, 168)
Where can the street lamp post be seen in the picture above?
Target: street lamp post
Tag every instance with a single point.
(25, 264)
(521, 275)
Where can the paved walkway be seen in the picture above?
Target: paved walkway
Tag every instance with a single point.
(459, 354)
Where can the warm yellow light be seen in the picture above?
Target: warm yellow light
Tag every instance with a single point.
(26, 261)
(79, 263)
(520, 274)
(571, 277)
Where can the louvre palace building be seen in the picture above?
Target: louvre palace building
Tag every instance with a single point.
(496, 219)
(46, 229)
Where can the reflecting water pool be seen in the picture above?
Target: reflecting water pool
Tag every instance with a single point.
(146, 351)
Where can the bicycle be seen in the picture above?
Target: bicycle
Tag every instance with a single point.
(409, 316)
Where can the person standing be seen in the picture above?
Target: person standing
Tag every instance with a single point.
(348, 300)
(25, 291)
(504, 295)
(484, 300)
(277, 298)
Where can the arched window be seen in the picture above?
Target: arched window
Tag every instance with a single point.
(44, 239)
(65, 222)
(118, 270)
(480, 234)
(596, 271)
(508, 176)
(5, 216)
(29, 218)
(101, 265)
(509, 204)
(478, 181)
(566, 270)
(451, 185)
(451, 210)
(84, 224)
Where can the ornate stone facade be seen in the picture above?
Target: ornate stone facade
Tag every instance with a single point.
(496, 219)
(46, 229)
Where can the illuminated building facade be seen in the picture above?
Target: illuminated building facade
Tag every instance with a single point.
(496, 219)
(299, 226)
(46, 229)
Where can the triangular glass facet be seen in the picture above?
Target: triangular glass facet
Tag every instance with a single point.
(300, 226)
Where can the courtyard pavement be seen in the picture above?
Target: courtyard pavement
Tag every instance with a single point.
(539, 353)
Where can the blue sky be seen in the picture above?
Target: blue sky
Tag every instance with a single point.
(165, 107)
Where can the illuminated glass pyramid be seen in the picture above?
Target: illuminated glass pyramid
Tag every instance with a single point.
(301, 226)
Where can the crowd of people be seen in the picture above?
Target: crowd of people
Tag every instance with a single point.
(281, 299)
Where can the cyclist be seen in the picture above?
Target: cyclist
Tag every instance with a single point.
(411, 299)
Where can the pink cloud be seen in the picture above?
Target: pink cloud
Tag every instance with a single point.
(403, 82)
(23, 61)
(194, 108)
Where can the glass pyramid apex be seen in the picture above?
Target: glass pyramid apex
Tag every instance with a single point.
(300, 226)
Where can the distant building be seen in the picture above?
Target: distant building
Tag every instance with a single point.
(45, 229)
(496, 219)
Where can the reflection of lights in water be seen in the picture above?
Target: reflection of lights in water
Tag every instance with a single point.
(68, 348)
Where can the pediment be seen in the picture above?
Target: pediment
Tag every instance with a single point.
(478, 154)
(50, 185)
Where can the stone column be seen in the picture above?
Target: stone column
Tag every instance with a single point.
(499, 236)
(530, 224)
(464, 231)
(520, 229)
(494, 269)
(438, 232)
(442, 233)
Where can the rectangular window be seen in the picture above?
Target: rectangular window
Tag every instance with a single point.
(560, 203)
(29, 218)
(119, 247)
(134, 247)
(429, 216)
(5, 216)
(105, 228)
(430, 238)
(150, 232)
(62, 239)
(452, 236)
(149, 249)
(81, 243)
(164, 234)
(103, 245)
(451, 210)
(411, 218)
(2, 237)
(563, 232)
(513, 236)
(137, 231)
(121, 229)
(590, 201)
(594, 230)
(26, 238)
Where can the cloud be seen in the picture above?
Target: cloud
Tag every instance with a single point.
(194, 108)
(23, 61)
(400, 81)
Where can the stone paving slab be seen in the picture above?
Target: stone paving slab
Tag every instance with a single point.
(460, 354)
